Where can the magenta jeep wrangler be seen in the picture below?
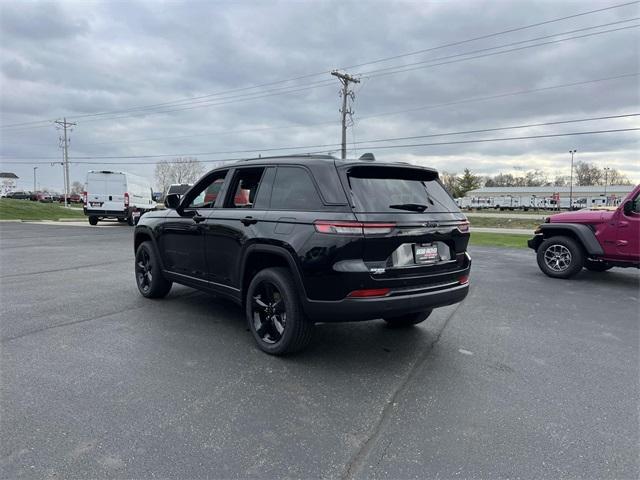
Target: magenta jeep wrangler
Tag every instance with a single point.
(594, 239)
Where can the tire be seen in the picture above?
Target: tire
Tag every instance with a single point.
(597, 266)
(130, 220)
(407, 320)
(149, 278)
(122, 220)
(93, 220)
(272, 294)
(560, 257)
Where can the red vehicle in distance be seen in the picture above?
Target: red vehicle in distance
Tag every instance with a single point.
(593, 239)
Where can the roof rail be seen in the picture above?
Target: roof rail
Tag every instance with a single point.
(299, 155)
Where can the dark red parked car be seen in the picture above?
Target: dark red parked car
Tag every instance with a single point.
(73, 198)
(594, 239)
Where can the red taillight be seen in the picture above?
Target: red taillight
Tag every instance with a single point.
(369, 292)
(464, 279)
(126, 199)
(463, 227)
(353, 228)
(84, 197)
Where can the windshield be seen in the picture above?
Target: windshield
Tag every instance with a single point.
(379, 189)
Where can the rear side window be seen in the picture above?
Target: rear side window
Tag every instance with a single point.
(294, 189)
(244, 188)
(388, 189)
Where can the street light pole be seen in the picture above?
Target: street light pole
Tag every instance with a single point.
(34, 178)
(572, 152)
(606, 181)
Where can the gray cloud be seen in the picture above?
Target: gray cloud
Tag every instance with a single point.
(74, 58)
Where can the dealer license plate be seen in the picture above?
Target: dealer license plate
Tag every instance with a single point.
(426, 253)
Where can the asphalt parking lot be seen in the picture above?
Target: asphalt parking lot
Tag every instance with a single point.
(528, 378)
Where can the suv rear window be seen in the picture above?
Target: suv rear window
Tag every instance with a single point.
(389, 189)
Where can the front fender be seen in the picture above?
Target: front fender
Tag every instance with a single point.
(583, 233)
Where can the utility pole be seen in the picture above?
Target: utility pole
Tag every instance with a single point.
(606, 180)
(34, 178)
(65, 148)
(572, 152)
(345, 79)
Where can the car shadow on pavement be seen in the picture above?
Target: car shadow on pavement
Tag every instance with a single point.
(334, 345)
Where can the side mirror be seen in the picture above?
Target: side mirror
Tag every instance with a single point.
(628, 207)
(172, 201)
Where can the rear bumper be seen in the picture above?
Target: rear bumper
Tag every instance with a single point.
(94, 212)
(356, 309)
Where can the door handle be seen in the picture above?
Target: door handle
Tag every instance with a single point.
(249, 221)
(198, 218)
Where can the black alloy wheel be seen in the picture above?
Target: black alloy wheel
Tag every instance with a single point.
(274, 312)
(149, 278)
(269, 313)
(144, 271)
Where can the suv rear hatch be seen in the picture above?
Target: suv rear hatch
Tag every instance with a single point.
(422, 233)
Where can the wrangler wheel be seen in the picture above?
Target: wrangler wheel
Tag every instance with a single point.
(560, 257)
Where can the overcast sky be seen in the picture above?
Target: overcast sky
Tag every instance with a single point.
(78, 58)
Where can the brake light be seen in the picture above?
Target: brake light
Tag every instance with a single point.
(464, 227)
(463, 279)
(369, 292)
(126, 199)
(353, 228)
(84, 198)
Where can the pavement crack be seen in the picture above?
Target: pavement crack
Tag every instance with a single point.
(73, 322)
(357, 461)
(13, 275)
(82, 320)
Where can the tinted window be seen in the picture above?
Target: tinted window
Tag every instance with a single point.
(380, 189)
(293, 189)
(244, 189)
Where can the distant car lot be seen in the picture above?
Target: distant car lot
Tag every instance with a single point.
(530, 377)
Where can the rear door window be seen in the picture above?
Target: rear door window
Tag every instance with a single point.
(294, 189)
(244, 188)
(389, 189)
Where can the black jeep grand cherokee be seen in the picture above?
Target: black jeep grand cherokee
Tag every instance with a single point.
(304, 239)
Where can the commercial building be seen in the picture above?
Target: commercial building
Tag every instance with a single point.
(545, 197)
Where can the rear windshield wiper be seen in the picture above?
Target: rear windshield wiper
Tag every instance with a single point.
(413, 207)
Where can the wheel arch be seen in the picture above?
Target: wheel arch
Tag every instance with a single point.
(579, 232)
(259, 256)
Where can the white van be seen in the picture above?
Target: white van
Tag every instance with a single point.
(119, 195)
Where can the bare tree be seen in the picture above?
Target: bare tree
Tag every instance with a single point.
(450, 182)
(614, 177)
(178, 170)
(587, 174)
(77, 187)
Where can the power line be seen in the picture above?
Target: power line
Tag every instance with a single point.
(464, 132)
(500, 95)
(370, 74)
(490, 35)
(367, 117)
(482, 140)
(380, 60)
(374, 74)
(520, 42)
